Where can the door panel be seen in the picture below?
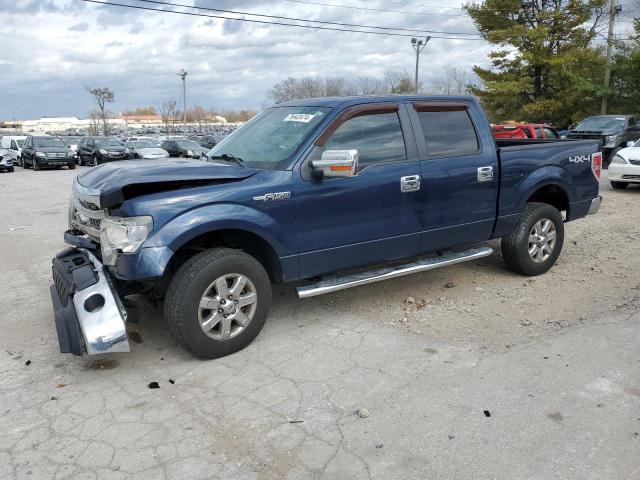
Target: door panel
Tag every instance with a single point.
(459, 176)
(366, 219)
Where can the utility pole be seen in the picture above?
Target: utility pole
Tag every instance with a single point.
(614, 9)
(418, 46)
(183, 75)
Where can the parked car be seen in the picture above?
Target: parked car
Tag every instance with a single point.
(369, 187)
(145, 149)
(205, 141)
(183, 148)
(39, 152)
(12, 144)
(98, 150)
(612, 131)
(624, 168)
(525, 130)
(6, 161)
(71, 142)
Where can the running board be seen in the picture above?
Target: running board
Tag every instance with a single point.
(341, 282)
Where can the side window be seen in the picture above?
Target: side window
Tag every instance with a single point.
(539, 133)
(449, 133)
(378, 139)
(14, 145)
(550, 133)
(632, 122)
(527, 132)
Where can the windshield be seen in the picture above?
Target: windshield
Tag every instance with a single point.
(20, 143)
(144, 144)
(602, 123)
(48, 142)
(108, 142)
(187, 144)
(270, 139)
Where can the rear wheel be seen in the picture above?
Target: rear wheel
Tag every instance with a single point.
(535, 243)
(218, 302)
(619, 185)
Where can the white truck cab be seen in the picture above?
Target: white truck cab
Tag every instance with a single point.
(12, 147)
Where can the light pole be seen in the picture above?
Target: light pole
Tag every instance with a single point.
(613, 11)
(418, 45)
(183, 75)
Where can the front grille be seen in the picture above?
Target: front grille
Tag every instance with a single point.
(631, 177)
(56, 155)
(634, 162)
(116, 154)
(86, 216)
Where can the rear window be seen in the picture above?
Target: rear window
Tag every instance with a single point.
(448, 133)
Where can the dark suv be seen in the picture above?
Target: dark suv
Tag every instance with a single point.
(97, 150)
(206, 141)
(38, 152)
(613, 131)
(183, 147)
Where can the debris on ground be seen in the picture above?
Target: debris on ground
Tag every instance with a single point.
(154, 385)
(487, 413)
(363, 413)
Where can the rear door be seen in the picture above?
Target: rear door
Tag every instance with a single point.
(459, 169)
(372, 217)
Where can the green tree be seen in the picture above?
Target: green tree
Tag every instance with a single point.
(545, 66)
(625, 76)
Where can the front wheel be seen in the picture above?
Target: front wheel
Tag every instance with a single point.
(35, 165)
(218, 302)
(536, 241)
(95, 162)
(72, 165)
(10, 169)
(619, 185)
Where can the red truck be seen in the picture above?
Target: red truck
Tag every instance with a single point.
(525, 130)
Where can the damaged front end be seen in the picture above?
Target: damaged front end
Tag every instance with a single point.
(88, 313)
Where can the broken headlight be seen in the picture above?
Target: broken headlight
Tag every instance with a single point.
(123, 235)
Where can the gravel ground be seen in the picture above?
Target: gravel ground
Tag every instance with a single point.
(464, 372)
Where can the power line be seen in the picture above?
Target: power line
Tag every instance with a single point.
(264, 22)
(280, 17)
(370, 9)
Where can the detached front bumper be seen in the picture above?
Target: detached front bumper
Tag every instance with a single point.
(595, 205)
(88, 313)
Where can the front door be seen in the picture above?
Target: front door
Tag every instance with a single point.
(370, 218)
(459, 174)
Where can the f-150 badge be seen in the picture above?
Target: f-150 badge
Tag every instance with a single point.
(273, 196)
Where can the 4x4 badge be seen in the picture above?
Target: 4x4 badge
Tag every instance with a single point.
(273, 196)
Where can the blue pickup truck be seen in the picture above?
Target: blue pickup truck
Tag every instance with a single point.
(325, 193)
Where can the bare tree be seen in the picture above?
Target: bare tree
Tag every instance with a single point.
(454, 81)
(102, 96)
(94, 122)
(168, 113)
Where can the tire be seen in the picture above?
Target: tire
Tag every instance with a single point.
(35, 165)
(619, 185)
(10, 169)
(194, 279)
(24, 163)
(72, 165)
(94, 161)
(516, 247)
(19, 161)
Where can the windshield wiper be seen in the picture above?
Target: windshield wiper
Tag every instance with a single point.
(228, 157)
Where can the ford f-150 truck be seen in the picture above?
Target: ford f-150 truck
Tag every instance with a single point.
(326, 193)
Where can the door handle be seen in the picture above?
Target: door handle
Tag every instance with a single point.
(410, 183)
(485, 174)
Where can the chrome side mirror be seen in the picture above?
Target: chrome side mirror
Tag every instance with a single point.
(336, 163)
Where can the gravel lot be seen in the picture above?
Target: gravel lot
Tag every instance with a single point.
(465, 372)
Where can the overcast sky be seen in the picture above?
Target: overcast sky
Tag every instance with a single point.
(51, 49)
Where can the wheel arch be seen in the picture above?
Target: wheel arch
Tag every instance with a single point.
(551, 194)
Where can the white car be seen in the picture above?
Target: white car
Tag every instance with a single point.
(625, 166)
(146, 149)
(12, 145)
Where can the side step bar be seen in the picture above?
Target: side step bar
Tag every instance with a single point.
(341, 282)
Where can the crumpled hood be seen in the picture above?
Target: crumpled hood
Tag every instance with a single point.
(120, 180)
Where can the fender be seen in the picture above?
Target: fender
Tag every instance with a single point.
(512, 203)
(222, 216)
(544, 176)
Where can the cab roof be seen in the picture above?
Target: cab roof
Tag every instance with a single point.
(342, 102)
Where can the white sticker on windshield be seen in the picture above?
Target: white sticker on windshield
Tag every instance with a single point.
(620, 118)
(299, 117)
